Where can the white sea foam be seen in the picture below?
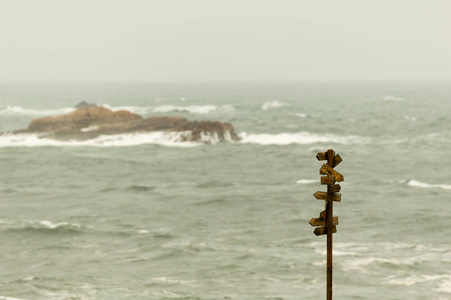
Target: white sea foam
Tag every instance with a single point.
(177, 139)
(140, 110)
(166, 280)
(393, 98)
(300, 115)
(9, 298)
(345, 253)
(20, 111)
(443, 281)
(50, 225)
(445, 284)
(297, 138)
(195, 109)
(337, 252)
(361, 263)
(172, 139)
(320, 263)
(307, 181)
(90, 128)
(273, 104)
(419, 184)
(410, 118)
(411, 280)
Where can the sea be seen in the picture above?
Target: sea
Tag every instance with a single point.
(145, 216)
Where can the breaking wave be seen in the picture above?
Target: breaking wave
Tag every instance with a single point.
(9, 298)
(169, 139)
(307, 181)
(419, 184)
(140, 110)
(175, 139)
(273, 104)
(297, 138)
(393, 98)
(194, 109)
(18, 110)
(45, 226)
(303, 115)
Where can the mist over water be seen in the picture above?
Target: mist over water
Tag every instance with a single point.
(145, 216)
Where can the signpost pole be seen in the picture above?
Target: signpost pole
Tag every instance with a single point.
(326, 220)
(329, 222)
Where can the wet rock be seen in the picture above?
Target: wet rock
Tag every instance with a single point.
(85, 104)
(90, 122)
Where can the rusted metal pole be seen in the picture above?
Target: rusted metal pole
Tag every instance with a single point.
(329, 222)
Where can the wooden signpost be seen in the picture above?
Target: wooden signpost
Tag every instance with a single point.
(326, 219)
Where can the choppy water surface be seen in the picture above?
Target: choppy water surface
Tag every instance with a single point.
(144, 216)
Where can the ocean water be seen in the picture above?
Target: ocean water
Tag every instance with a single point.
(143, 216)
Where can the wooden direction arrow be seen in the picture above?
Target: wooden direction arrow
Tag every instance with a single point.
(323, 230)
(320, 195)
(327, 196)
(327, 180)
(337, 160)
(321, 156)
(322, 215)
(334, 188)
(321, 222)
(331, 172)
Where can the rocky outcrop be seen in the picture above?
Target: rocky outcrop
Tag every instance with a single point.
(81, 119)
(90, 122)
(84, 104)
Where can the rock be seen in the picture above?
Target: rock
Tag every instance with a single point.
(90, 122)
(81, 118)
(84, 104)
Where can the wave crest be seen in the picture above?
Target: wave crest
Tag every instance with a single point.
(273, 104)
(393, 98)
(296, 138)
(170, 139)
(307, 181)
(15, 110)
(19, 110)
(46, 227)
(419, 184)
(194, 109)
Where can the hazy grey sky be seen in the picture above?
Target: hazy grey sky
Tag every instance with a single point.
(192, 40)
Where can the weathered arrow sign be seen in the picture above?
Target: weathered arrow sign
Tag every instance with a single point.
(334, 188)
(323, 230)
(331, 172)
(323, 156)
(327, 196)
(327, 180)
(337, 160)
(322, 222)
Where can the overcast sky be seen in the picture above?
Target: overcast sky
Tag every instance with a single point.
(237, 40)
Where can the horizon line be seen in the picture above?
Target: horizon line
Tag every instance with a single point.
(225, 81)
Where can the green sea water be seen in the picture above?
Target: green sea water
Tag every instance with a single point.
(147, 217)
